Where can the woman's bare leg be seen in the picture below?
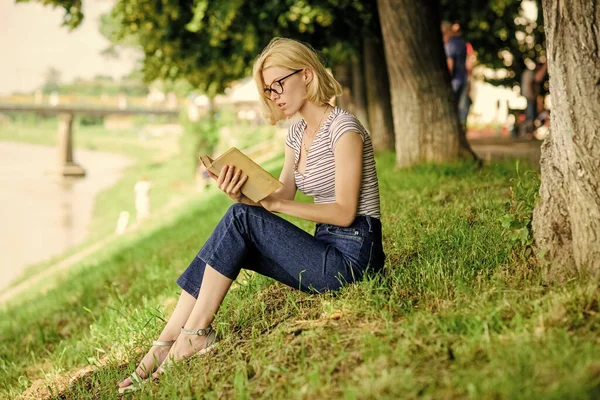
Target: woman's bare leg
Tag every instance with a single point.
(171, 331)
(212, 292)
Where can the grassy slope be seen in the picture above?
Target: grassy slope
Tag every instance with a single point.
(459, 312)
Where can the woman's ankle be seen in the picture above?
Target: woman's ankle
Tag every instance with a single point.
(168, 335)
(198, 324)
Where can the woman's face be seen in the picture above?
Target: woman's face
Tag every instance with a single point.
(288, 88)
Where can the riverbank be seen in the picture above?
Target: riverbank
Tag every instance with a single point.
(44, 214)
(152, 156)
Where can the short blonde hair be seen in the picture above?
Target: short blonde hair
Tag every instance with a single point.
(294, 55)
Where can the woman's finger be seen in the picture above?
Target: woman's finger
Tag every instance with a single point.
(221, 177)
(229, 175)
(226, 178)
(240, 183)
(234, 180)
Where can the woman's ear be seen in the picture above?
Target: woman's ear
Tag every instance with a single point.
(307, 75)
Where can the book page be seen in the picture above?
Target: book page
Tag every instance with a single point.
(207, 162)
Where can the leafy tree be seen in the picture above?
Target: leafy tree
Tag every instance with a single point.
(73, 10)
(211, 44)
(500, 34)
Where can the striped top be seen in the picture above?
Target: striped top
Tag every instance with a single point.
(318, 180)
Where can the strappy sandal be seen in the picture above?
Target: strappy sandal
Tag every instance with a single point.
(210, 345)
(136, 380)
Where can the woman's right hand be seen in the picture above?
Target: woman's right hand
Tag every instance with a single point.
(230, 181)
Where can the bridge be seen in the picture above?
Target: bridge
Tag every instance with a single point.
(66, 165)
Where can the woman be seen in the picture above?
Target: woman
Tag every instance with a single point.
(328, 156)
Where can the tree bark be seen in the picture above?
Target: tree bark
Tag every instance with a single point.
(379, 102)
(359, 98)
(425, 114)
(566, 221)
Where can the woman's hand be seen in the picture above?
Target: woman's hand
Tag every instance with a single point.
(230, 181)
(270, 203)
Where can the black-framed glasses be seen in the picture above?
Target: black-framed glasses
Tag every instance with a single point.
(277, 86)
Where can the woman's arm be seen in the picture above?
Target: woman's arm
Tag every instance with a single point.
(288, 191)
(348, 174)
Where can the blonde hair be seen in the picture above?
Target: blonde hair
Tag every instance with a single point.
(294, 55)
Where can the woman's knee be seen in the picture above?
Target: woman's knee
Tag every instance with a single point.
(237, 209)
(240, 209)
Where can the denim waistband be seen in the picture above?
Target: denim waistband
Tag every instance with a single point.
(366, 225)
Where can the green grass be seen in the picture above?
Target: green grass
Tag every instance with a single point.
(460, 311)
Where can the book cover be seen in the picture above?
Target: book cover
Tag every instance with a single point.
(260, 183)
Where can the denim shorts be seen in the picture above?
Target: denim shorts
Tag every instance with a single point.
(253, 238)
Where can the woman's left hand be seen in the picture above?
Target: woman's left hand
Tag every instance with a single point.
(270, 203)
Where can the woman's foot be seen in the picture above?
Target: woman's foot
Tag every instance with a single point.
(155, 356)
(188, 344)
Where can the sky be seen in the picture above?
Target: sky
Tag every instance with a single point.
(32, 40)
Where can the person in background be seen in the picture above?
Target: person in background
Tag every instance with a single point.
(531, 87)
(540, 75)
(465, 101)
(456, 58)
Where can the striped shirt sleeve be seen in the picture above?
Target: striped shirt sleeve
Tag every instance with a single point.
(345, 123)
(291, 136)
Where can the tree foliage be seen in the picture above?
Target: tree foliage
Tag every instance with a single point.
(212, 43)
(73, 16)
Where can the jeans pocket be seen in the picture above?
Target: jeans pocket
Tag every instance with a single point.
(348, 233)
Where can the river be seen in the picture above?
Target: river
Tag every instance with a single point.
(43, 215)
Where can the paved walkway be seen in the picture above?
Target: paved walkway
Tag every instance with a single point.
(495, 149)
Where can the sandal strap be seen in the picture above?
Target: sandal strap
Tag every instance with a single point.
(135, 378)
(163, 343)
(200, 332)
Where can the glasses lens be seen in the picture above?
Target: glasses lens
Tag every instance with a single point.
(277, 87)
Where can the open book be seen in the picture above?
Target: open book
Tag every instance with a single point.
(260, 183)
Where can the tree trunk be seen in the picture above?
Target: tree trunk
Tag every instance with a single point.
(359, 98)
(566, 221)
(425, 114)
(343, 74)
(379, 102)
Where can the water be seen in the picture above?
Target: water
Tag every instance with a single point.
(42, 215)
